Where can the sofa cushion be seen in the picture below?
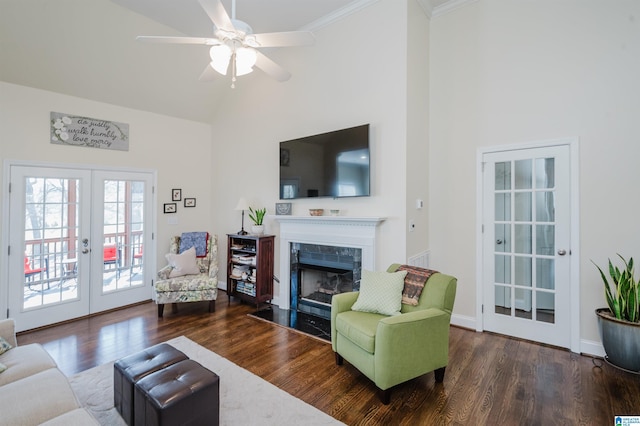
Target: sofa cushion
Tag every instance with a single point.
(37, 398)
(23, 361)
(4, 345)
(359, 327)
(77, 417)
(380, 292)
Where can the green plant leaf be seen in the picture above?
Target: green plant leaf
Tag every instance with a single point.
(623, 293)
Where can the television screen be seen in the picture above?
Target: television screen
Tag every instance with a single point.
(333, 164)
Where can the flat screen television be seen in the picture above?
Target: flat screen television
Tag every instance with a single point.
(333, 164)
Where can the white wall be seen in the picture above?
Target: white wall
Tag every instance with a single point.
(178, 150)
(354, 74)
(504, 72)
(417, 170)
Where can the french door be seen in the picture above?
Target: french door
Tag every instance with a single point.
(79, 242)
(526, 244)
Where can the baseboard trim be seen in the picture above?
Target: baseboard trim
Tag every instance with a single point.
(463, 321)
(591, 347)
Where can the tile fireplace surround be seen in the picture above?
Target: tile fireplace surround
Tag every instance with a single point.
(343, 231)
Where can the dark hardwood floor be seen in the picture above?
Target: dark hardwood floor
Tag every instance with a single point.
(490, 380)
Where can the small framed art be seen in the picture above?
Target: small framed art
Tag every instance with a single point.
(176, 194)
(170, 207)
(283, 208)
(189, 202)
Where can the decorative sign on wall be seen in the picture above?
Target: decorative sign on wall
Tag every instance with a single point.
(69, 129)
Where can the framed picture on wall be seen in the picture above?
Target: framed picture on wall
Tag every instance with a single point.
(189, 202)
(170, 207)
(176, 194)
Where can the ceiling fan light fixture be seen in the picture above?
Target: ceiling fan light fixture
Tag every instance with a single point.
(220, 56)
(245, 60)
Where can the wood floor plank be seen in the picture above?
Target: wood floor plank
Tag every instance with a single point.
(491, 379)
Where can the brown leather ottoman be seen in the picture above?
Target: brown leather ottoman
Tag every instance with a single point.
(132, 368)
(184, 393)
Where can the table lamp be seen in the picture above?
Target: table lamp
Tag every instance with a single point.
(242, 205)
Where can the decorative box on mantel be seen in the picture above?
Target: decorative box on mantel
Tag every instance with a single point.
(339, 231)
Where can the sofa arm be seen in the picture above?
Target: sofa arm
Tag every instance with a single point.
(163, 273)
(8, 331)
(340, 303)
(414, 343)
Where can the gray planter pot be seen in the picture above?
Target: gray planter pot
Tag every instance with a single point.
(621, 341)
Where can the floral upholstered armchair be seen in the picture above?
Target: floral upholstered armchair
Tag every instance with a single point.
(192, 272)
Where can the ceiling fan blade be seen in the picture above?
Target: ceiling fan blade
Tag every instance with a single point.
(217, 13)
(289, 38)
(208, 74)
(179, 40)
(271, 68)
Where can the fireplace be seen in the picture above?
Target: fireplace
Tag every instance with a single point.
(332, 240)
(320, 271)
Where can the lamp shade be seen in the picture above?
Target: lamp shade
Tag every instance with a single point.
(242, 204)
(245, 60)
(220, 56)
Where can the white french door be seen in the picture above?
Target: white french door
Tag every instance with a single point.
(526, 239)
(79, 242)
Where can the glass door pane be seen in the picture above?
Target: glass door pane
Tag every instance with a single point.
(50, 240)
(123, 231)
(522, 266)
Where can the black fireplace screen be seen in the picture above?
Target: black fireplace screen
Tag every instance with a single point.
(318, 272)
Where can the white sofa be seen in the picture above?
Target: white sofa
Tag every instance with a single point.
(33, 390)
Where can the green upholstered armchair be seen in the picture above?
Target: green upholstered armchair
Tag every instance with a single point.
(390, 350)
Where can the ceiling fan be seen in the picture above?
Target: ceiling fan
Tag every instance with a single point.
(234, 47)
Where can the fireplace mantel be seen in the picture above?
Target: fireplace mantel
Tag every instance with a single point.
(345, 231)
(334, 220)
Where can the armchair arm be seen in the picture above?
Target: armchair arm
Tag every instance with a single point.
(410, 345)
(163, 273)
(340, 303)
(8, 331)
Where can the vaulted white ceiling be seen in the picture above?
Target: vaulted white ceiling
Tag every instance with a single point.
(87, 48)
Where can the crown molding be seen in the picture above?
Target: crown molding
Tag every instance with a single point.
(427, 7)
(358, 5)
(338, 14)
(448, 7)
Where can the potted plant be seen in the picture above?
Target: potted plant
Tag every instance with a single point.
(619, 324)
(257, 216)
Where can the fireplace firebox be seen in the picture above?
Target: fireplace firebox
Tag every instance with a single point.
(320, 271)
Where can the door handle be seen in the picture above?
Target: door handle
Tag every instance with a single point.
(562, 252)
(85, 251)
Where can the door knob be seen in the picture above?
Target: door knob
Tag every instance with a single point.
(562, 252)
(499, 242)
(85, 251)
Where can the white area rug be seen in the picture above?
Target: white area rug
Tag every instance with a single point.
(245, 399)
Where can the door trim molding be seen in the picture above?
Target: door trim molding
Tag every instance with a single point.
(574, 202)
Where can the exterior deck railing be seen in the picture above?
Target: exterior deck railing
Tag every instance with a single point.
(54, 253)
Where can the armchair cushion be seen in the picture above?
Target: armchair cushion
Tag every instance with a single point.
(360, 328)
(183, 264)
(380, 292)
